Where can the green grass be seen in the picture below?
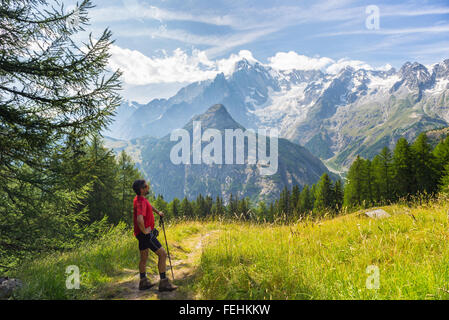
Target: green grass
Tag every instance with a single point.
(329, 259)
(325, 259)
(100, 262)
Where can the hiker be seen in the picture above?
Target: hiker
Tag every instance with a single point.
(145, 232)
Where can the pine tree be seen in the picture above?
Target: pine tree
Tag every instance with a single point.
(325, 198)
(339, 195)
(232, 207)
(208, 202)
(161, 205)
(368, 183)
(101, 171)
(72, 161)
(444, 183)
(221, 209)
(218, 208)
(353, 192)
(52, 93)
(441, 153)
(294, 199)
(277, 213)
(186, 208)
(175, 208)
(383, 173)
(313, 195)
(425, 165)
(200, 206)
(49, 86)
(284, 201)
(127, 174)
(262, 211)
(243, 208)
(377, 182)
(271, 212)
(305, 202)
(404, 171)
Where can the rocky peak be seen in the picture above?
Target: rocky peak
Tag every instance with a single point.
(243, 64)
(215, 117)
(441, 70)
(415, 75)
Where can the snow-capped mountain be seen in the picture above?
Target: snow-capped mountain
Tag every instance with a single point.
(122, 113)
(296, 165)
(336, 116)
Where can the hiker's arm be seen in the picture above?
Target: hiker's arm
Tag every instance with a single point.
(141, 224)
(160, 213)
(140, 213)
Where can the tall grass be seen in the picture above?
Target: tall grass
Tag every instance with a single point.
(306, 259)
(100, 262)
(328, 259)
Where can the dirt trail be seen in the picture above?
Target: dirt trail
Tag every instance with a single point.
(184, 269)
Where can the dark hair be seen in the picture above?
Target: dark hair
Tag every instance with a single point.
(137, 185)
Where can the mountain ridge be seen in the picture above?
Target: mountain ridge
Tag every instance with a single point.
(296, 165)
(336, 116)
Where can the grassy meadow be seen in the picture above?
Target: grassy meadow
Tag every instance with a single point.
(100, 263)
(326, 259)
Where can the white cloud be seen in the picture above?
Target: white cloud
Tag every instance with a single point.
(227, 65)
(139, 69)
(385, 67)
(179, 67)
(292, 60)
(343, 63)
(141, 74)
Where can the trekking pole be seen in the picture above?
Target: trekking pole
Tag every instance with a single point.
(168, 251)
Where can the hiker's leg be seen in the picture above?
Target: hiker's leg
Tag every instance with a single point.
(143, 260)
(164, 283)
(162, 259)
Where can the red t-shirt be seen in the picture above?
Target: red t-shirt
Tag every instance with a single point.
(143, 207)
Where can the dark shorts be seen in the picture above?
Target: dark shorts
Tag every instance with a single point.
(148, 241)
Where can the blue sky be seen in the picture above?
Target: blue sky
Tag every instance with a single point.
(165, 44)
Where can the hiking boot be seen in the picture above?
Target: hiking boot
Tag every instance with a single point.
(145, 284)
(165, 285)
